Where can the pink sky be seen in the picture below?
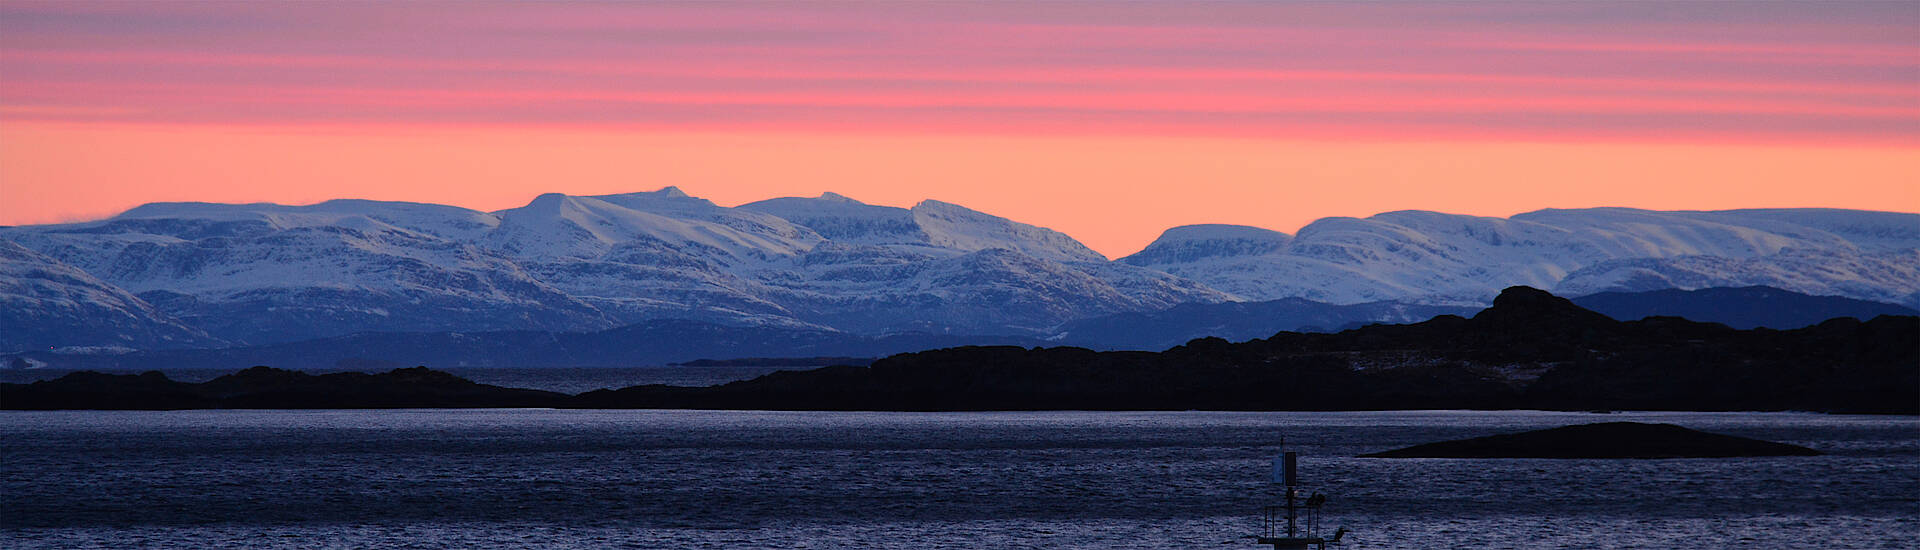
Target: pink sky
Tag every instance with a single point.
(1109, 121)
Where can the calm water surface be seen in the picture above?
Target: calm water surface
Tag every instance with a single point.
(683, 479)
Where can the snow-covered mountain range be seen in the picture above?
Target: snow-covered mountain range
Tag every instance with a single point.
(50, 304)
(196, 274)
(1429, 257)
(264, 273)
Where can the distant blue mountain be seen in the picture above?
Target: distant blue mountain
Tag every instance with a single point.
(1741, 308)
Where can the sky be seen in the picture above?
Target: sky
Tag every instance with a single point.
(1110, 121)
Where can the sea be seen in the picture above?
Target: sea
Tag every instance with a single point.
(529, 478)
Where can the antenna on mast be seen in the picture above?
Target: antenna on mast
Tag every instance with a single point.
(1297, 534)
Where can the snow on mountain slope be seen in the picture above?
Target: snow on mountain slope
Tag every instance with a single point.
(1151, 289)
(1398, 255)
(252, 274)
(939, 267)
(1438, 256)
(764, 235)
(560, 227)
(1869, 231)
(991, 291)
(45, 303)
(1630, 233)
(1192, 243)
(256, 273)
(653, 255)
(844, 220)
(438, 220)
(932, 226)
(954, 226)
(888, 288)
(1446, 258)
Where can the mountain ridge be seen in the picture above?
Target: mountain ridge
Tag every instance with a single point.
(264, 273)
(1446, 258)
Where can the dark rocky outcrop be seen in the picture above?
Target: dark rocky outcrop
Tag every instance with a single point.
(777, 362)
(1159, 330)
(270, 388)
(647, 343)
(1531, 350)
(149, 390)
(1603, 440)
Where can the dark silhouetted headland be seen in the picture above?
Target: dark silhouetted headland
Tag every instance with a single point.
(270, 388)
(1530, 350)
(648, 343)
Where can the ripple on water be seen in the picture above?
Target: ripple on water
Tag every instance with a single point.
(685, 479)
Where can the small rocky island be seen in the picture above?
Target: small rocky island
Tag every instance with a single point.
(270, 388)
(1603, 440)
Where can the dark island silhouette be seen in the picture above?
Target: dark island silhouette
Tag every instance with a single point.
(1530, 350)
(1602, 440)
(1742, 307)
(270, 388)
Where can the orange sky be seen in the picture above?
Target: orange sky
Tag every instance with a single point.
(1115, 193)
(1110, 122)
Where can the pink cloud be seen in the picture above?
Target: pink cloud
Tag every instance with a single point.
(1549, 71)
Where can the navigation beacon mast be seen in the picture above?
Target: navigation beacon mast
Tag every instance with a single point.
(1293, 533)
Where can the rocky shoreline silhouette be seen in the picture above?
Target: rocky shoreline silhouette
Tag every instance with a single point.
(1530, 350)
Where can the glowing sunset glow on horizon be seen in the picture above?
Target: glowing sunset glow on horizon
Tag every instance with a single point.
(1107, 121)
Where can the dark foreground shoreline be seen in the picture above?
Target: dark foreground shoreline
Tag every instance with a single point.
(1531, 351)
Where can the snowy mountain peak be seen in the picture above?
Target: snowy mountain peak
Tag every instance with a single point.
(202, 210)
(1870, 231)
(666, 200)
(1188, 243)
(1216, 231)
(547, 200)
(547, 205)
(953, 226)
(844, 220)
(361, 215)
(1448, 258)
(836, 197)
(929, 227)
(556, 226)
(943, 208)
